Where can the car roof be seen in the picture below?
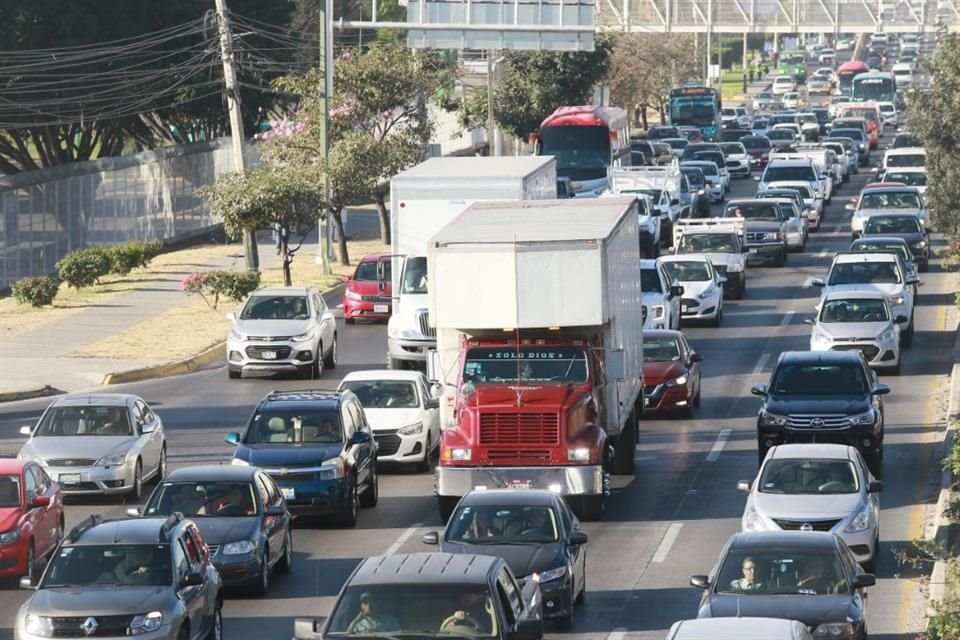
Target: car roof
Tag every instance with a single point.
(424, 568)
(648, 263)
(508, 497)
(906, 170)
(864, 256)
(903, 151)
(739, 201)
(867, 293)
(781, 539)
(375, 257)
(806, 162)
(210, 473)
(94, 399)
(283, 291)
(892, 188)
(682, 257)
(868, 240)
(662, 333)
(826, 357)
(306, 397)
(382, 374)
(10, 466)
(121, 531)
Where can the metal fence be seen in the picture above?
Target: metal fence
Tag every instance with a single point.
(145, 196)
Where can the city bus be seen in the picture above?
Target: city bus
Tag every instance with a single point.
(586, 142)
(696, 106)
(847, 72)
(874, 86)
(793, 63)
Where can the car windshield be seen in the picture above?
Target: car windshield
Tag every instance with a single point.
(780, 134)
(785, 173)
(503, 525)
(864, 273)
(905, 140)
(689, 271)
(755, 143)
(818, 379)
(676, 143)
(661, 350)
(203, 499)
(807, 118)
(853, 134)
(803, 476)
(728, 112)
(415, 276)
(854, 310)
(869, 247)
(783, 118)
(776, 571)
(911, 178)
(314, 426)
(650, 281)
(275, 307)
(882, 225)
(802, 190)
(713, 156)
(753, 211)
(777, 195)
(509, 365)
(426, 609)
(9, 491)
(707, 243)
(732, 148)
(890, 200)
(86, 420)
(109, 565)
(906, 160)
(384, 394)
(367, 270)
(709, 169)
(695, 177)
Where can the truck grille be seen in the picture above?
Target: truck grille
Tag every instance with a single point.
(107, 626)
(797, 525)
(756, 236)
(388, 442)
(423, 319)
(538, 455)
(869, 351)
(805, 421)
(519, 428)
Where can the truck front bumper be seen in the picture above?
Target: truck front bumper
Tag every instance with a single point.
(568, 481)
(410, 349)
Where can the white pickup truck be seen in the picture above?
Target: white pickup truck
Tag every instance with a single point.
(660, 184)
(720, 240)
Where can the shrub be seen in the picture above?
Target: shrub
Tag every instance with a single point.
(38, 291)
(126, 257)
(151, 250)
(212, 285)
(83, 267)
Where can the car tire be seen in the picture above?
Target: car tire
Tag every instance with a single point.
(330, 360)
(349, 320)
(348, 515)
(761, 453)
(216, 629)
(183, 633)
(262, 586)
(233, 374)
(874, 460)
(565, 622)
(31, 564)
(625, 450)
(136, 490)
(782, 258)
(161, 471)
(906, 337)
(425, 465)
(582, 596)
(371, 494)
(592, 507)
(924, 266)
(717, 318)
(742, 287)
(285, 564)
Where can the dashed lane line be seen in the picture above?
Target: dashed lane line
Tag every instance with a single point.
(761, 362)
(718, 446)
(664, 548)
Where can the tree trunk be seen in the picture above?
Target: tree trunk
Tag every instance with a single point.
(643, 117)
(335, 215)
(285, 259)
(384, 215)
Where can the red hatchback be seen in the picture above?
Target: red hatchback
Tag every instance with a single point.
(31, 518)
(367, 297)
(671, 373)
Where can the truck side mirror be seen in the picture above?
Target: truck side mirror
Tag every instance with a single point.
(433, 365)
(615, 364)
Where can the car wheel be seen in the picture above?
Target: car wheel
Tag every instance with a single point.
(874, 460)
(582, 596)
(330, 361)
(31, 566)
(906, 337)
(566, 620)
(263, 580)
(348, 516)
(286, 560)
(136, 490)
(183, 633)
(232, 373)
(717, 318)
(216, 629)
(761, 453)
(742, 289)
(161, 466)
(424, 465)
(371, 495)
(924, 266)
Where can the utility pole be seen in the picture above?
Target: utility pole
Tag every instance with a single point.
(743, 63)
(492, 146)
(236, 119)
(326, 68)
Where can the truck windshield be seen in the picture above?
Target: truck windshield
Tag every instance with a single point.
(415, 276)
(535, 363)
(707, 243)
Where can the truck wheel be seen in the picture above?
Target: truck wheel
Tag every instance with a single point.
(626, 448)
(592, 507)
(446, 505)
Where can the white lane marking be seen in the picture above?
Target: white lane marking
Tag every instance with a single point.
(808, 282)
(787, 318)
(822, 254)
(719, 445)
(617, 634)
(761, 362)
(668, 539)
(392, 549)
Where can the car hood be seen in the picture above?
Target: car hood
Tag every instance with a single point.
(657, 372)
(651, 299)
(776, 505)
(271, 327)
(721, 258)
(817, 405)
(287, 455)
(381, 419)
(887, 288)
(223, 530)
(494, 396)
(523, 559)
(99, 601)
(92, 447)
(810, 610)
(694, 288)
(847, 330)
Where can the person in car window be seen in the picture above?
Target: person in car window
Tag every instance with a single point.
(369, 620)
(116, 422)
(538, 524)
(482, 527)
(298, 310)
(403, 397)
(235, 503)
(472, 613)
(749, 580)
(815, 577)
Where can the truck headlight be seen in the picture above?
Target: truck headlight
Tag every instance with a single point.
(401, 333)
(411, 429)
(238, 548)
(833, 630)
(772, 419)
(146, 623)
(580, 454)
(112, 460)
(862, 418)
(862, 521)
(456, 453)
(39, 626)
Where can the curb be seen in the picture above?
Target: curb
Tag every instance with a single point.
(187, 365)
(27, 394)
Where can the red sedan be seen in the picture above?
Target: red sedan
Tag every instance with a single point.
(671, 373)
(31, 518)
(368, 292)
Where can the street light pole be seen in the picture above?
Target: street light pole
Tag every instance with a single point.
(326, 68)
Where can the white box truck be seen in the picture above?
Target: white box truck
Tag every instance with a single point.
(424, 199)
(537, 308)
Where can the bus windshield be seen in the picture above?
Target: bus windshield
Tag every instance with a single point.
(696, 113)
(583, 153)
(874, 88)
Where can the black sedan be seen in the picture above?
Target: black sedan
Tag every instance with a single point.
(241, 514)
(808, 576)
(534, 531)
(905, 226)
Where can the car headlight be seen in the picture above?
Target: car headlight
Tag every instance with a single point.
(706, 293)
(146, 623)
(678, 381)
(821, 336)
(349, 294)
(734, 267)
(402, 333)
(240, 462)
(896, 299)
(920, 245)
(862, 418)
(331, 469)
(39, 626)
(237, 548)
(411, 429)
(579, 454)
(658, 310)
(239, 337)
(9, 537)
(112, 460)
(833, 630)
(862, 521)
(887, 336)
(547, 576)
(772, 419)
(462, 454)
(303, 337)
(753, 521)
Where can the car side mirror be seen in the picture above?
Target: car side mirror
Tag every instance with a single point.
(759, 390)
(232, 317)
(25, 430)
(696, 357)
(701, 582)
(875, 486)
(40, 501)
(880, 390)
(675, 201)
(26, 582)
(864, 580)
(743, 485)
(432, 403)
(818, 282)
(431, 538)
(434, 370)
(146, 427)
(809, 321)
(676, 291)
(232, 438)
(275, 510)
(307, 628)
(913, 280)
(577, 538)
(134, 512)
(360, 437)
(192, 579)
(900, 319)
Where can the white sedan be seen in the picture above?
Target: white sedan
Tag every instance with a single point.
(858, 320)
(702, 286)
(403, 413)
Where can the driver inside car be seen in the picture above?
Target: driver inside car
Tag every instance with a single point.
(473, 612)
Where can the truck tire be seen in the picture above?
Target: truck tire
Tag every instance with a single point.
(446, 505)
(592, 507)
(625, 448)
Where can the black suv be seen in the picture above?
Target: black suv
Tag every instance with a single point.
(146, 577)
(823, 396)
(427, 595)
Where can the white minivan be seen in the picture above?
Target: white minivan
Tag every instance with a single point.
(783, 84)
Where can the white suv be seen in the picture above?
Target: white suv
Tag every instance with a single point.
(660, 296)
(282, 329)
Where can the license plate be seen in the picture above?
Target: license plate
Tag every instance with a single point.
(69, 478)
(288, 493)
(753, 250)
(519, 484)
(268, 355)
(381, 308)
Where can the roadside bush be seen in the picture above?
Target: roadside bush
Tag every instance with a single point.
(212, 285)
(83, 267)
(126, 257)
(37, 291)
(151, 250)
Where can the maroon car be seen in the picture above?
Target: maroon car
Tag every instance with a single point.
(368, 293)
(671, 373)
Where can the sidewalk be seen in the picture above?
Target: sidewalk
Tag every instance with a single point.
(40, 358)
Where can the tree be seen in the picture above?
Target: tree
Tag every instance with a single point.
(282, 198)
(933, 114)
(533, 84)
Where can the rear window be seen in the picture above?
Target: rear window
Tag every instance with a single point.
(777, 173)
(753, 211)
(756, 143)
(880, 225)
(906, 160)
(864, 273)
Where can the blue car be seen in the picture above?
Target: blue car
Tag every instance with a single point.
(319, 449)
